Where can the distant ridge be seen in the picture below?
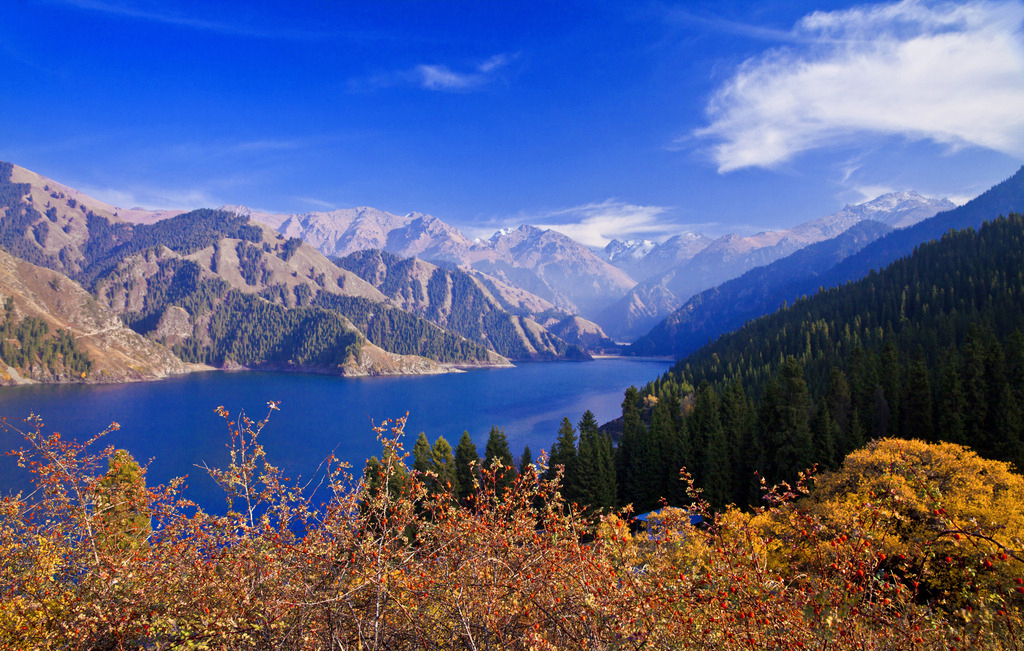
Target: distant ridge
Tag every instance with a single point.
(1001, 199)
(763, 290)
(760, 291)
(732, 255)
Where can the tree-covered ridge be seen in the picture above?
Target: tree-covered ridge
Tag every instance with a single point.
(24, 233)
(251, 331)
(930, 348)
(28, 346)
(400, 332)
(230, 325)
(177, 282)
(923, 303)
(452, 299)
(827, 264)
(21, 220)
(1002, 199)
(760, 291)
(110, 243)
(129, 265)
(210, 302)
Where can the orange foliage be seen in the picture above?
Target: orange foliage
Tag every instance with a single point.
(389, 564)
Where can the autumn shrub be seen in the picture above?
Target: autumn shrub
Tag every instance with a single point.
(94, 559)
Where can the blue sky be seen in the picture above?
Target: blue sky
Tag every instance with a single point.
(603, 119)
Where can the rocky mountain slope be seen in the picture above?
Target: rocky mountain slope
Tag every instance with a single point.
(644, 259)
(848, 257)
(757, 292)
(1001, 199)
(112, 352)
(464, 303)
(571, 276)
(731, 255)
(246, 291)
(547, 264)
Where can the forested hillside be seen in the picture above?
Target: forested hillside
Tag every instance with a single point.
(1002, 199)
(221, 289)
(930, 347)
(760, 291)
(28, 345)
(453, 299)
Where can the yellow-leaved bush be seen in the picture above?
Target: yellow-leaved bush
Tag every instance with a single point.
(95, 559)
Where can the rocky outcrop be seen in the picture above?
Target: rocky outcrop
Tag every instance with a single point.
(174, 327)
(117, 353)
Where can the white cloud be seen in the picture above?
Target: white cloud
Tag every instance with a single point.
(434, 76)
(151, 198)
(319, 203)
(439, 77)
(948, 72)
(596, 224)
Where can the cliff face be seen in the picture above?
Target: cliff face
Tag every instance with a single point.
(117, 353)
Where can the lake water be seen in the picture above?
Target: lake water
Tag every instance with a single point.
(173, 422)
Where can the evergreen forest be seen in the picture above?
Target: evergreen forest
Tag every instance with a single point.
(929, 348)
(27, 344)
(455, 300)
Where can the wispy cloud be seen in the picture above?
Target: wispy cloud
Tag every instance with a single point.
(439, 77)
(319, 203)
(157, 13)
(952, 73)
(596, 224)
(682, 16)
(152, 198)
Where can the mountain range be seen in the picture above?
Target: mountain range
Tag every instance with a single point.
(863, 248)
(624, 289)
(413, 284)
(679, 269)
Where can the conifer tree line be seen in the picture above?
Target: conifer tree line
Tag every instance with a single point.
(586, 464)
(929, 348)
(452, 298)
(28, 344)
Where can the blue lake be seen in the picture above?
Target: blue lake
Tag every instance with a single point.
(173, 422)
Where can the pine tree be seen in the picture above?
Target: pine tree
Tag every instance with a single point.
(840, 406)
(443, 463)
(916, 405)
(422, 461)
(564, 457)
(632, 431)
(666, 441)
(713, 471)
(825, 434)
(467, 462)
(784, 433)
(953, 403)
(889, 379)
(594, 466)
(526, 462)
(738, 424)
(975, 393)
(606, 495)
(496, 452)
(879, 414)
